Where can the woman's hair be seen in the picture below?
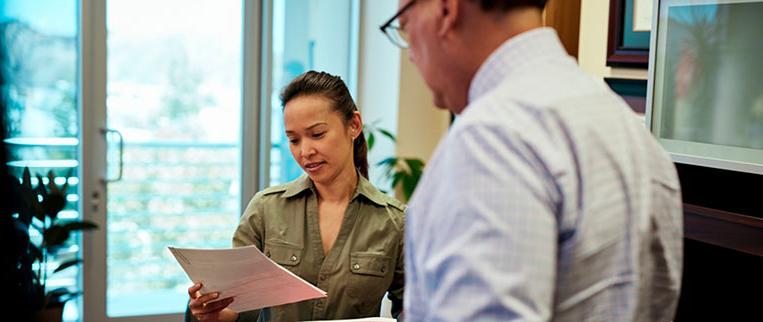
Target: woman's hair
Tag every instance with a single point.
(333, 88)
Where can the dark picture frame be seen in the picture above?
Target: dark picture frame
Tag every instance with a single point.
(625, 47)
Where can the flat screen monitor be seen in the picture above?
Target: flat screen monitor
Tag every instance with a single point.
(705, 89)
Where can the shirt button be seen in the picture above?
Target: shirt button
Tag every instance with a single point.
(322, 277)
(267, 254)
(356, 267)
(293, 258)
(319, 304)
(382, 269)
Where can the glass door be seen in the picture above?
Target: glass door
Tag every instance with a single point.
(173, 100)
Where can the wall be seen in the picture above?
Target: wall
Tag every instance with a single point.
(420, 123)
(592, 50)
(378, 76)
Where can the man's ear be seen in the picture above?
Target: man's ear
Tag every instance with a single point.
(449, 14)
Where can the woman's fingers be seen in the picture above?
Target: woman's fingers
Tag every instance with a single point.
(217, 306)
(207, 297)
(192, 291)
(211, 311)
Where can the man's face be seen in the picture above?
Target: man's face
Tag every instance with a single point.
(425, 47)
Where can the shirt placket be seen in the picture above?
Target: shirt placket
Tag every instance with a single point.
(329, 262)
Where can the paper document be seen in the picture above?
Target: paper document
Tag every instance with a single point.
(246, 274)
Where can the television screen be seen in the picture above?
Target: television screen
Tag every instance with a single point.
(705, 97)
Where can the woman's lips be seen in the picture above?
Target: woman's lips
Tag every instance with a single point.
(314, 166)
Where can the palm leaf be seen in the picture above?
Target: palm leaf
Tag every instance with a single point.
(55, 236)
(67, 264)
(371, 140)
(79, 225)
(388, 134)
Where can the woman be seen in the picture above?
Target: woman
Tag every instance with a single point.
(331, 227)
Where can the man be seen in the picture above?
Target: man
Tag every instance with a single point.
(547, 200)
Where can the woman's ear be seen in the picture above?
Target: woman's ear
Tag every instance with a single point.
(356, 125)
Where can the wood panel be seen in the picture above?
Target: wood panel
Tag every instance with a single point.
(723, 228)
(564, 16)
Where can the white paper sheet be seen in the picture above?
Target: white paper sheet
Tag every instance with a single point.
(246, 274)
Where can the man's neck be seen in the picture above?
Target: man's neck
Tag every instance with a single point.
(502, 27)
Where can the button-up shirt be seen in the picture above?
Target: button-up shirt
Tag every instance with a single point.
(365, 261)
(547, 200)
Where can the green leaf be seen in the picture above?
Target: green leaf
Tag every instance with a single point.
(79, 225)
(35, 252)
(52, 187)
(411, 179)
(371, 140)
(409, 185)
(18, 201)
(67, 264)
(59, 296)
(41, 187)
(26, 179)
(396, 179)
(388, 134)
(388, 165)
(55, 236)
(62, 299)
(53, 204)
(416, 165)
(391, 161)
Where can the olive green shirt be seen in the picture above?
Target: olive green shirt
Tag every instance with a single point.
(365, 261)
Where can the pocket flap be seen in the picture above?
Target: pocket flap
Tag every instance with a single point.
(369, 264)
(283, 254)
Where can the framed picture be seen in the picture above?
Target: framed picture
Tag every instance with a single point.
(633, 91)
(628, 43)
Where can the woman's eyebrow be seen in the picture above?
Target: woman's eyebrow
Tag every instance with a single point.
(308, 128)
(316, 125)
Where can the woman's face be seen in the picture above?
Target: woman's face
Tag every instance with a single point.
(319, 140)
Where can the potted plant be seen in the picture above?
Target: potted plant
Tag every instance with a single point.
(404, 173)
(41, 234)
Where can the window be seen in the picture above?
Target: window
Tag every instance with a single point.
(42, 107)
(305, 35)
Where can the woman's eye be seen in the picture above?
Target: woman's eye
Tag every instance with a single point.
(293, 141)
(317, 135)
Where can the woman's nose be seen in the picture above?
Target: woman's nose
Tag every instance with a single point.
(307, 149)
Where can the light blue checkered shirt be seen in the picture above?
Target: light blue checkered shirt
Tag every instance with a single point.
(548, 200)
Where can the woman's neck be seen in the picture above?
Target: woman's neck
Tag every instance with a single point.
(340, 189)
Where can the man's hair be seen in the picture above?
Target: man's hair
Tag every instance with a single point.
(506, 5)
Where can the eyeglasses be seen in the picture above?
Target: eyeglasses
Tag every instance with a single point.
(395, 32)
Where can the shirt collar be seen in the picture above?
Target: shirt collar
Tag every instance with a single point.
(364, 188)
(516, 52)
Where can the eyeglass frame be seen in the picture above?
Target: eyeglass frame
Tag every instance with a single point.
(388, 24)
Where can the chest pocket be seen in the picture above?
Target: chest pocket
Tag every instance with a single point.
(284, 254)
(370, 275)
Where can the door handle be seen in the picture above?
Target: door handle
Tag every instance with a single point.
(121, 153)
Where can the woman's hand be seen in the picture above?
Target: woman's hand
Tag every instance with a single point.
(204, 311)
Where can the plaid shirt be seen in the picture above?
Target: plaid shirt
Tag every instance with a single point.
(547, 201)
